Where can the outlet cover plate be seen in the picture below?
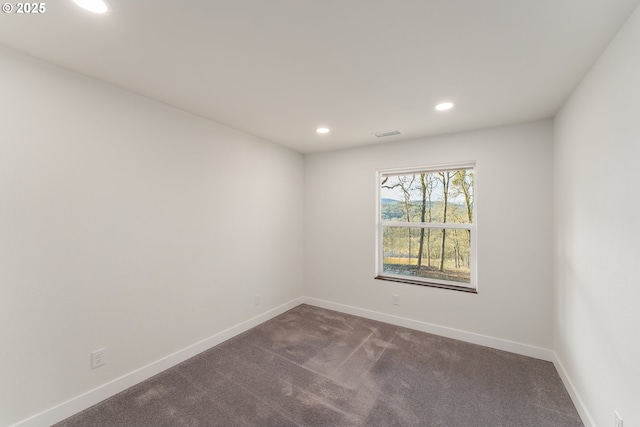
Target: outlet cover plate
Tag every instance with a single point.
(98, 358)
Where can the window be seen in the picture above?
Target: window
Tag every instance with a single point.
(426, 226)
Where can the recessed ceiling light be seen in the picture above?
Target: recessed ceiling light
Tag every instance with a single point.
(95, 6)
(322, 130)
(444, 106)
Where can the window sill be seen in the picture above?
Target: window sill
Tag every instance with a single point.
(429, 284)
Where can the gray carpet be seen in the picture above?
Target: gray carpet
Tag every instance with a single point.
(316, 367)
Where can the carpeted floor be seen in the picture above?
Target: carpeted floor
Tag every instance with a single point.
(315, 367)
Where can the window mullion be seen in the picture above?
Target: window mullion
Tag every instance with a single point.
(438, 225)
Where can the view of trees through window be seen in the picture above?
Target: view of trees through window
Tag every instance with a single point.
(427, 225)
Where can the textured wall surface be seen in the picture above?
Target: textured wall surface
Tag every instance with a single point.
(130, 225)
(597, 206)
(513, 211)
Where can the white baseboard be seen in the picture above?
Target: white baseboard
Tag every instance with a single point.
(98, 394)
(587, 420)
(497, 343)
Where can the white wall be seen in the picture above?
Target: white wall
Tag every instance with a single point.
(130, 225)
(514, 217)
(597, 248)
(124, 223)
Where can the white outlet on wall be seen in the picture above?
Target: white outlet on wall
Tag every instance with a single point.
(98, 358)
(396, 300)
(618, 419)
(256, 300)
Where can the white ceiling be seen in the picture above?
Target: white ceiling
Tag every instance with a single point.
(280, 68)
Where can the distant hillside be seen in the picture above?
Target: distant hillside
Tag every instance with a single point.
(394, 210)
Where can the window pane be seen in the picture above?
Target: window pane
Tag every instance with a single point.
(417, 252)
(443, 197)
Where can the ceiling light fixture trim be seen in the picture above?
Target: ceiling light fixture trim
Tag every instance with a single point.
(95, 6)
(444, 106)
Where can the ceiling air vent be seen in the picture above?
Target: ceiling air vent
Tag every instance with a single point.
(387, 133)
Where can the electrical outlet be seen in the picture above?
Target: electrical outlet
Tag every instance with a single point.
(256, 300)
(396, 300)
(618, 419)
(98, 358)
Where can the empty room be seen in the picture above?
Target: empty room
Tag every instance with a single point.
(319, 213)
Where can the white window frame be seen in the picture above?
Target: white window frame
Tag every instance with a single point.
(447, 284)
